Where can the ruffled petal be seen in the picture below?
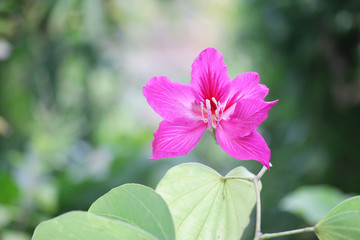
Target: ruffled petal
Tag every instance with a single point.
(252, 146)
(246, 85)
(175, 139)
(171, 100)
(248, 115)
(209, 77)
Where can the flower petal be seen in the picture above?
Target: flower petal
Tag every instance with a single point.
(209, 77)
(175, 139)
(171, 100)
(248, 115)
(252, 146)
(246, 85)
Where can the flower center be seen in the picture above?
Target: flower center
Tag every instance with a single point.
(211, 116)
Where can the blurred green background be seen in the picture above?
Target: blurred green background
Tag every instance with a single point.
(74, 122)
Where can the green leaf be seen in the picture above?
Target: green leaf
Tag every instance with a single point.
(205, 205)
(138, 205)
(131, 211)
(312, 202)
(88, 226)
(342, 222)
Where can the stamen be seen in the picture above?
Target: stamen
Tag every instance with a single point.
(208, 107)
(217, 113)
(214, 100)
(212, 119)
(202, 112)
(221, 111)
(208, 104)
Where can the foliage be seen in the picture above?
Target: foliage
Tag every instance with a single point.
(130, 211)
(205, 205)
(202, 203)
(85, 225)
(139, 206)
(341, 222)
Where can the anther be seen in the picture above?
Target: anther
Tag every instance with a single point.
(214, 100)
(208, 104)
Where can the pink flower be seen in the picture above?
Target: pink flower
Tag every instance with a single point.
(233, 109)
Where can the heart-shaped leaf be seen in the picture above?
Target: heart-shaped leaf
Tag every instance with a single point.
(88, 226)
(205, 205)
(342, 222)
(131, 211)
(138, 205)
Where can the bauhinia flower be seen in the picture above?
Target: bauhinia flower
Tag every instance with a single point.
(233, 110)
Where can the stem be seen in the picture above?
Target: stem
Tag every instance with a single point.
(255, 181)
(258, 234)
(258, 209)
(214, 136)
(285, 233)
(261, 173)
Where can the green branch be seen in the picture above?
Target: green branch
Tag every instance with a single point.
(255, 181)
(286, 233)
(258, 234)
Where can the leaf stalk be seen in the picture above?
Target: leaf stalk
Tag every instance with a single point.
(286, 233)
